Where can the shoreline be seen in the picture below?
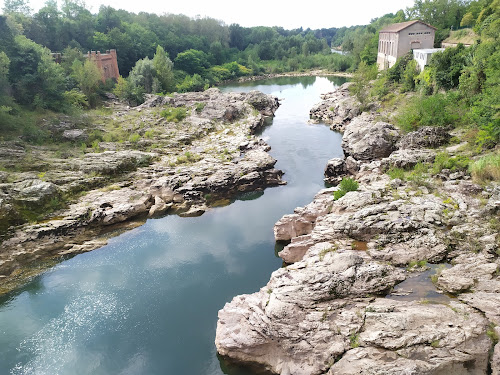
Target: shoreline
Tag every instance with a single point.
(188, 166)
(346, 303)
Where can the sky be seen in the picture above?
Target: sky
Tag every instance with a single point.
(288, 14)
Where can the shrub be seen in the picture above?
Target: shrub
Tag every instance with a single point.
(200, 106)
(134, 138)
(445, 161)
(174, 114)
(435, 110)
(487, 168)
(346, 185)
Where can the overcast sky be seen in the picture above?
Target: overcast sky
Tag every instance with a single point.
(288, 14)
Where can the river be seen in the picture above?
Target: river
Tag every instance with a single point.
(147, 302)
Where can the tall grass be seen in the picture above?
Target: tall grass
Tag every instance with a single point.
(487, 168)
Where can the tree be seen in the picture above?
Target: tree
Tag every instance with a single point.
(142, 75)
(467, 20)
(16, 6)
(163, 68)
(192, 61)
(4, 76)
(88, 77)
(35, 78)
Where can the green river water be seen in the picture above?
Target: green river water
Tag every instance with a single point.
(147, 302)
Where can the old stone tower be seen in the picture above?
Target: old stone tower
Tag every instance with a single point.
(106, 62)
(398, 39)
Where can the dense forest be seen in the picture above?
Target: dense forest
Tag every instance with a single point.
(167, 53)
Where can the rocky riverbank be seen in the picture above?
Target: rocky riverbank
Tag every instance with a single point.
(177, 154)
(339, 307)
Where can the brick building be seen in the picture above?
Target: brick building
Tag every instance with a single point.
(106, 62)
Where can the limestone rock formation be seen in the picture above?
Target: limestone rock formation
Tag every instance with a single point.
(338, 108)
(427, 136)
(365, 140)
(211, 154)
(301, 321)
(323, 313)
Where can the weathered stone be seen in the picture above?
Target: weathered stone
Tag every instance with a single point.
(35, 191)
(300, 322)
(471, 272)
(365, 140)
(113, 162)
(338, 108)
(192, 163)
(335, 169)
(411, 338)
(408, 158)
(159, 207)
(427, 136)
(302, 222)
(74, 135)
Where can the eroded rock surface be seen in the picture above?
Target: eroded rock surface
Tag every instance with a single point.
(338, 108)
(365, 140)
(180, 165)
(323, 312)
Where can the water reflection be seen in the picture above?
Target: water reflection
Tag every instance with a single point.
(147, 302)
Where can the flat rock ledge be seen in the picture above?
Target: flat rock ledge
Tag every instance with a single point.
(226, 159)
(332, 310)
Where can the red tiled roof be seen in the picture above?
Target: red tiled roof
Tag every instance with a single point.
(397, 27)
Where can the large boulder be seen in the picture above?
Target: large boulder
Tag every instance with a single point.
(425, 137)
(413, 338)
(335, 169)
(302, 320)
(408, 158)
(365, 140)
(35, 191)
(302, 220)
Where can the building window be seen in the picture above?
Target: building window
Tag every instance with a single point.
(411, 33)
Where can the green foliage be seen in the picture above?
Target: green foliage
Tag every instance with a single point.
(354, 340)
(200, 106)
(448, 65)
(435, 110)
(142, 75)
(486, 168)
(492, 334)
(409, 75)
(35, 78)
(397, 72)
(134, 138)
(416, 264)
(192, 61)
(163, 68)
(76, 99)
(346, 185)
(194, 83)
(454, 163)
(88, 78)
(174, 114)
(362, 77)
